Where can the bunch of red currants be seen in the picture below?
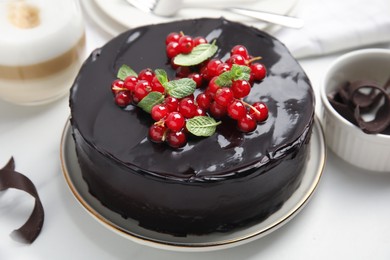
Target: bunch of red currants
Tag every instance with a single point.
(222, 85)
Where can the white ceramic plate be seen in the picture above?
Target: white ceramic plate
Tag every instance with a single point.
(101, 19)
(130, 229)
(119, 14)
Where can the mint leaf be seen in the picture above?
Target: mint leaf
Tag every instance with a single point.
(225, 79)
(161, 76)
(125, 71)
(202, 125)
(180, 88)
(240, 72)
(198, 54)
(152, 99)
(237, 72)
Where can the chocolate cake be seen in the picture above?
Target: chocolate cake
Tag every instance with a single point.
(214, 184)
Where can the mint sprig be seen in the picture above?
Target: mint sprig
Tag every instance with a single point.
(150, 100)
(202, 125)
(237, 72)
(198, 54)
(240, 72)
(180, 88)
(161, 76)
(225, 79)
(125, 71)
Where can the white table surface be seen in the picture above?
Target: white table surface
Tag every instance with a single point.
(347, 218)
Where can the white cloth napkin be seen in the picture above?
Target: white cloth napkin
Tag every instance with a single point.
(336, 25)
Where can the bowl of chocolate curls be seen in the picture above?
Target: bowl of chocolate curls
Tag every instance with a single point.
(355, 95)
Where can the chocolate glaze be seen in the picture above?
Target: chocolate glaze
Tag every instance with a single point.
(215, 183)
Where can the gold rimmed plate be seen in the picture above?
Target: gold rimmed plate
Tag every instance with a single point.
(130, 229)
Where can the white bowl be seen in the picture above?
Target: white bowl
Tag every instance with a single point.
(349, 142)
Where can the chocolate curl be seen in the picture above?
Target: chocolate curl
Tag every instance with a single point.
(340, 102)
(349, 101)
(365, 101)
(382, 117)
(9, 178)
(344, 93)
(10, 165)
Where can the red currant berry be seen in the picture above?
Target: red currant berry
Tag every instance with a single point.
(157, 133)
(173, 65)
(223, 67)
(187, 107)
(159, 112)
(236, 110)
(172, 37)
(224, 96)
(213, 86)
(205, 73)
(200, 112)
(176, 139)
(172, 50)
(203, 64)
(217, 111)
(191, 96)
(240, 50)
(261, 112)
(117, 85)
(197, 78)
(240, 88)
(258, 71)
(247, 123)
(199, 40)
(236, 59)
(130, 82)
(141, 90)
(212, 67)
(171, 103)
(182, 71)
(123, 98)
(157, 86)
(186, 44)
(204, 101)
(175, 121)
(146, 74)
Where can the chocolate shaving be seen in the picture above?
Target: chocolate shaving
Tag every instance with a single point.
(351, 102)
(9, 178)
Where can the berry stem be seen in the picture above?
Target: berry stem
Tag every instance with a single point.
(161, 122)
(250, 106)
(118, 88)
(164, 137)
(253, 59)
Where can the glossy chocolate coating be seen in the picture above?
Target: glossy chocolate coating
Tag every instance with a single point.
(213, 183)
